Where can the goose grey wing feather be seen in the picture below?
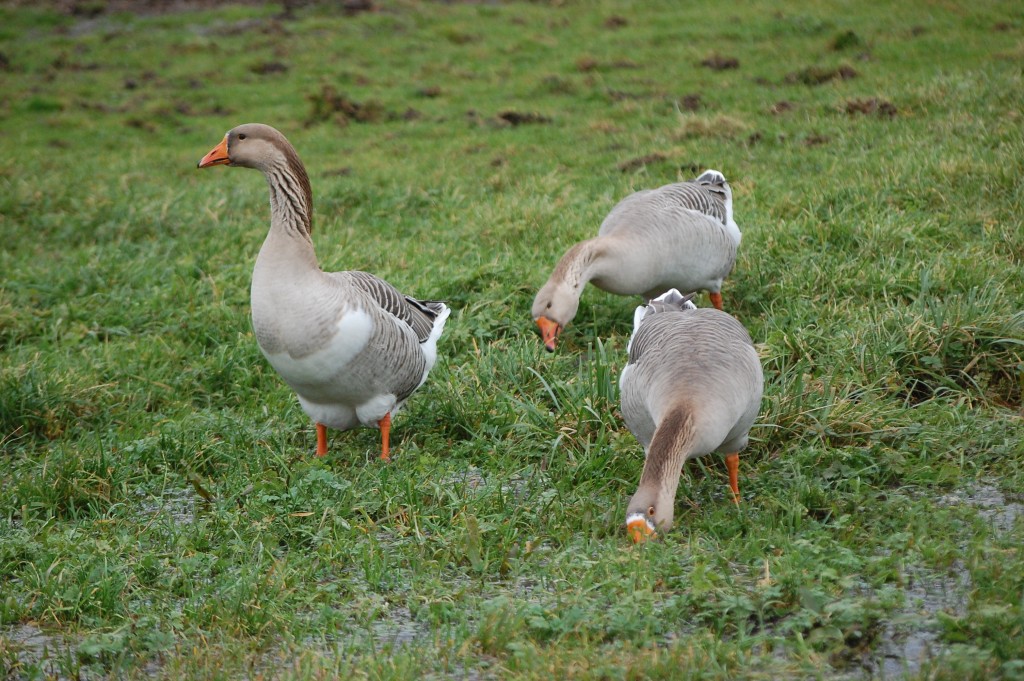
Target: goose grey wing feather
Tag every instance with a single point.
(705, 196)
(657, 325)
(419, 315)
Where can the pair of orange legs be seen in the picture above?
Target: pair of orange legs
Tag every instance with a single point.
(385, 435)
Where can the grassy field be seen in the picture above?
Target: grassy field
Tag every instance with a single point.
(876, 154)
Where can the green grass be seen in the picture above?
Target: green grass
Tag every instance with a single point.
(880, 273)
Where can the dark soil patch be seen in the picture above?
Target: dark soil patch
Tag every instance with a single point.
(429, 91)
(879, 107)
(781, 107)
(5, 62)
(329, 104)
(641, 161)
(586, 64)
(267, 68)
(690, 102)
(515, 118)
(816, 140)
(186, 109)
(622, 95)
(615, 21)
(845, 41)
(717, 62)
(350, 8)
(817, 75)
(1002, 27)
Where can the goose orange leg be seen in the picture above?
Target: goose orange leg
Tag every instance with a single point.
(385, 436)
(732, 462)
(321, 439)
(716, 299)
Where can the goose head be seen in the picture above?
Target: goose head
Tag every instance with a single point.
(554, 307)
(252, 145)
(650, 511)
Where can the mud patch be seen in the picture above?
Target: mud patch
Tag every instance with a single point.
(329, 104)
(717, 62)
(399, 629)
(177, 505)
(990, 503)
(781, 107)
(641, 162)
(267, 68)
(871, 106)
(429, 91)
(690, 102)
(26, 650)
(516, 118)
(911, 637)
(845, 41)
(586, 64)
(816, 140)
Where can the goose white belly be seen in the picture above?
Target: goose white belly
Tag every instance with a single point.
(326, 379)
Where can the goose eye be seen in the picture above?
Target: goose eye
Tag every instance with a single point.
(241, 135)
(650, 511)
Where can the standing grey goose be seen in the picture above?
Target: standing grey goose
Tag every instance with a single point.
(350, 345)
(692, 386)
(680, 236)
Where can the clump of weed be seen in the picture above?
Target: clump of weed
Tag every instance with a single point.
(961, 344)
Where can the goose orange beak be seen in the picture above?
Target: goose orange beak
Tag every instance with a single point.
(218, 156)
(549, 331)
(640, 530)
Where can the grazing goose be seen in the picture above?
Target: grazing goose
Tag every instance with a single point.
(348, 343)
(692, 386)
(679, 236)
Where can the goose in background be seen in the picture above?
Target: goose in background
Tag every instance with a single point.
(351, 346)
(679, 236)
(692, 386)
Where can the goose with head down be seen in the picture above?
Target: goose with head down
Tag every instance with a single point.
(351, 346)
(692, 386)
(679, 236)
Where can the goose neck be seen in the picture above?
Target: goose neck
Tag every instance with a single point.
(291, 199)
